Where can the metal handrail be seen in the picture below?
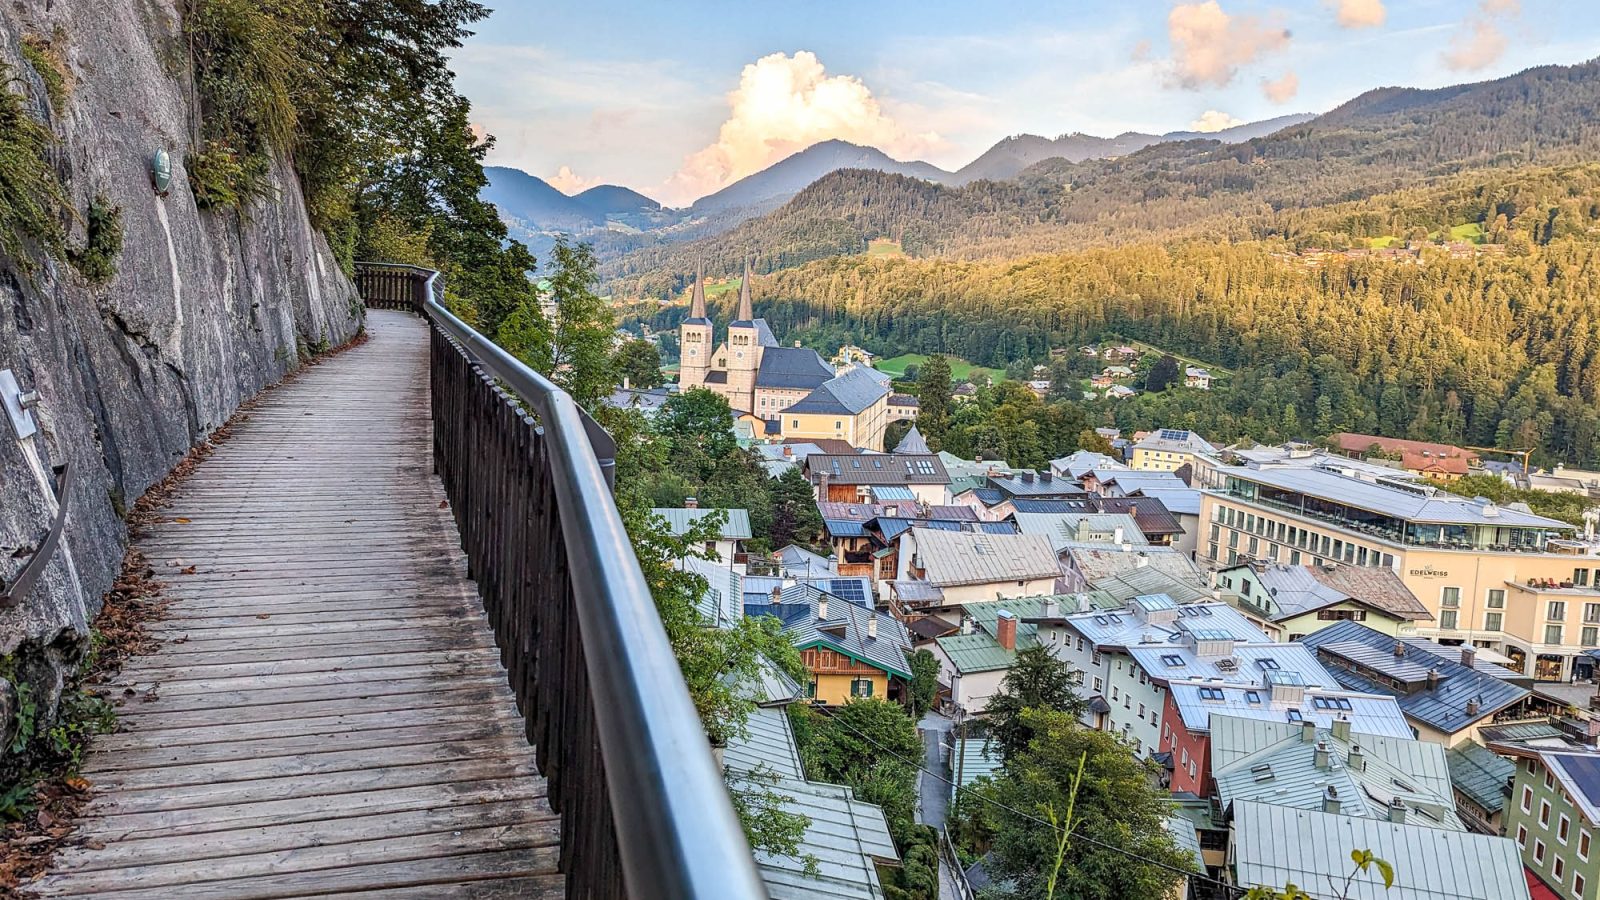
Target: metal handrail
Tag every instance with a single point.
(675, 828)
(34, 570)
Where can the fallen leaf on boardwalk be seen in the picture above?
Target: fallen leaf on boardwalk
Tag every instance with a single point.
(46, 819)
(264, 616)
(444, 504)
(187, 570)
(95, 845)
(77, 783)
(181, 521)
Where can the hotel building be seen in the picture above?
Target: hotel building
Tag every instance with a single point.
(1497, 577)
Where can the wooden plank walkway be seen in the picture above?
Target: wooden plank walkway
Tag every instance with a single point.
(328, 715)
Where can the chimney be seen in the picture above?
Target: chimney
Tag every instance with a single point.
(1341, 728)
(1133, 510)
(797, 345)
(788, 450)
(1320, 755)
(872, 627)
(1006, 630)
(1046, 477)
(1027, 478)
(1358, 760)
(1399, 649)
(1127, 548)
(966, 624)
(1397, 811)
(1433, 678)
(1472, 706)
(1142, 561)
(1117, 535)
(1330, 800)
(625, 385)
(691, 503)
(1469, 656)
(777, 595)
(1308, 731)
(822, 609)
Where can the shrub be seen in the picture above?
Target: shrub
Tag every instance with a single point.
(220, 177)
(30, 193)
(42, 55)
(96, 260)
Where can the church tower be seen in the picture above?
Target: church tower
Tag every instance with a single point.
(694, 337)
(745, 345)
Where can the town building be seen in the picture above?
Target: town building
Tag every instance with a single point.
(1272, 844)
(1197, 377)
(850, 478)
(1446, 701)
(1494, 576)
(948, 568)
(764, 381)
(1333, 769)
(1083, 564)
(1082, 462)
(1169, 450)
(1190, 707)
(1127, 657)
(1289, 602)
(1481, 779)
(850, 649)
(727, 547)
(974, 661)
(903, 407)
(1554, 817)
(1155, 524)
(1441, 462)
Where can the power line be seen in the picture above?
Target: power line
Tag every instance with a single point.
(1232, 889)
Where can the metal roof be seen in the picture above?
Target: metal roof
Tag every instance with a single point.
(1297, 590)
(975, 758)
(845, 629)
(913, 442)
(981, 650)
(1443, 707)
(1180, 440)
(882, 468)
(1109, 628)
(736, 528)
(1480, 774)
(882, 493)
(794, 368)
(1076, 465)
(723, 601)
(1063, 528)
(1031, 485)
(1125, 586)
(1247, 663)
(1273, 845)
(959, 557)
(1097, 561)
(1187, 838)
(1437, 508)
(1183, 501)
(801, 562)
(1579, 774)
(1253, 759)
(1367, 713)
(845, 395)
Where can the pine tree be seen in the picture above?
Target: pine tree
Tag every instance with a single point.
(933, 400)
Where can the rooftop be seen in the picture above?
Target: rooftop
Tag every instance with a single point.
(736, 528)
(959, 557)
(1082, 462)
(1097, 561)
(1480, 774)
(1274, 845)
(844, 395)
(1179, 440)
(878, 468)
(1366, 660)
(845, 629)
(1297, 590)
(794, 368)
(1579, 774)
(1273, 762)
(981, 650)
(1198, 700)
(1065, 528)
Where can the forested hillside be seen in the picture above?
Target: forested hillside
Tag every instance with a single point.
(1385, 140)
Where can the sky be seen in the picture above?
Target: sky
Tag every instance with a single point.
(678, 98)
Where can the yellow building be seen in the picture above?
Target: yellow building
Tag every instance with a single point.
(1494, 577)
(790, 391)
(1168, 450)
(850, 649)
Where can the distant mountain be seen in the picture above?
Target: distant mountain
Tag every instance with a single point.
(773, 186)
(1009, 157)
(614, 200)
(530, 205)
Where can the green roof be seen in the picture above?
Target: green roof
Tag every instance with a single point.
(1480, 774)
(981, 651)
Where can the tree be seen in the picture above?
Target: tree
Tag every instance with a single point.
(871, 745)
(1164, 373)
(639, 363)
(795, 518)
(924, 682)
(697, 421)
(1037, 680)
(1021, 813)
(933, 400)
(580, 336)
(1365, 861)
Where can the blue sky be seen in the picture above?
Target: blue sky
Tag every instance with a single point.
(678, 97)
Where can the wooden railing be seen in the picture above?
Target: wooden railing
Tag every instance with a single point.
(644, 810)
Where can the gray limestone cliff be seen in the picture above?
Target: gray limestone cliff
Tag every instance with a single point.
(206, 309)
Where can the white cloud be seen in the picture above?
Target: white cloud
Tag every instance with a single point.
(569, 182)
(1480, 42)
(1209, 45)
(784, 104)
(1361, 13)
(1283, 88)
(1214, 120)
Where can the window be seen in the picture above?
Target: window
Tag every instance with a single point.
(1580, 577)
(1544, 813)
(1095, 658)
(1497, 598)
(1590, 636)
(1527, 798)
(1272, 552)
(1552, 634)
(1450, 597)
(1493, 621)
(1583, 844)
(1294, 557)
(1141, 715)
(1212, 550)
(1591, 613)
(1254, 547)
(1555, 610)
(1295, 717)
(1100, 685)
(1114, 694)
(1252, 697)
(1563, 826)
(861, 687)
(811, 689)
(1447, 619)
(1538, 852)
(1577, 885)
(1558, 870)
(1522, 836)
(1216, 532)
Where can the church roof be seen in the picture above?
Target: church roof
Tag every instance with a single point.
(846, 394)
(697, 304)
(746, 312)
(764, 335)
(913, 442)
(792, 367)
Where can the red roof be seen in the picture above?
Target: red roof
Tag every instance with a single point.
(1538, 889)
(1350, 442)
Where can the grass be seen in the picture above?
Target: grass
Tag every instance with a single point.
(1471, 232)
(718, 288)
(960, 369)
(884, 248)
(1216, 370)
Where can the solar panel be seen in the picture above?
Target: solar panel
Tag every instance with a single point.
(1210, 634)
(848, 588)
(1173, 434)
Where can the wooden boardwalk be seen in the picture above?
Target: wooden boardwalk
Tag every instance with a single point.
(328, 715)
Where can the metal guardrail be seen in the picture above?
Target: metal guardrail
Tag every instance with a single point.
(18, 590)
(645, 812)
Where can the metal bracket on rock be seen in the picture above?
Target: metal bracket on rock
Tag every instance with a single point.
(19, 405)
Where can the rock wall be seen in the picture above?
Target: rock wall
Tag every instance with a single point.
(206, 308)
